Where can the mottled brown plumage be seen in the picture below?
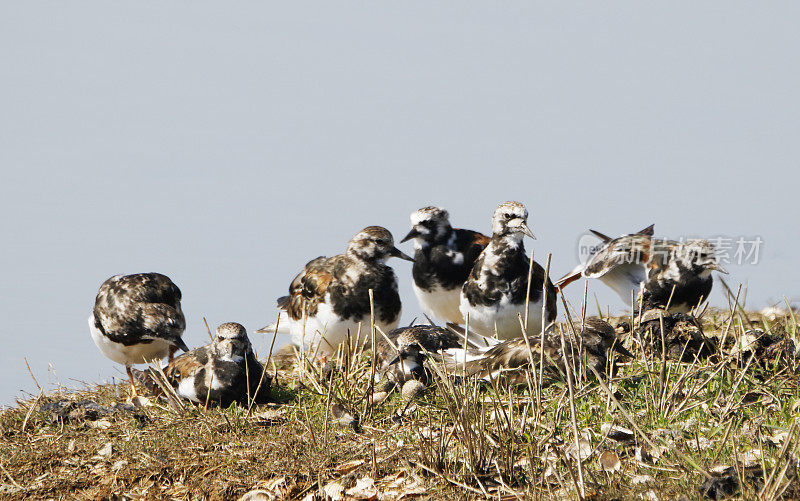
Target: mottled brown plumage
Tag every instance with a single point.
(404, 357)
(510, 359)
(684, 339)
(221, 372)
(137, 319)
(660, 273)
(329, 299)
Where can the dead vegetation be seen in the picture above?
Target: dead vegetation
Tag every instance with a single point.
(683, 419)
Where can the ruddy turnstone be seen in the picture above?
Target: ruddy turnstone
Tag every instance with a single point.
(494, 294)
(510, 359)
(222, 372)
(664, 272)
(443, 259)
(683, 337)
(138, 319)
(403, 354)
(329, 300)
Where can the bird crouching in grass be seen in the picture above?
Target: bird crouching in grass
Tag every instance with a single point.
(511, 361)
(403, 353)
(220, 373)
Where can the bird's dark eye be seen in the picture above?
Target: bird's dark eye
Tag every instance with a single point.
(508, 216)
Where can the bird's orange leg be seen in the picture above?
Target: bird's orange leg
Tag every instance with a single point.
(133, 384)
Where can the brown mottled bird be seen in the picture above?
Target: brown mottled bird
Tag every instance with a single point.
(329, 299)
(663, 273)
(404, 354)
(138, 319)
(683, 336)
(510, 359)
(221, 372)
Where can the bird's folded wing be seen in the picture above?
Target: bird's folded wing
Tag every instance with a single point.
(627, 250)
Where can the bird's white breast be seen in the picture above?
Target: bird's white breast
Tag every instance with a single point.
(440, 303)
(327, 330)
(186, 389)
(502, 317)
(140, 353)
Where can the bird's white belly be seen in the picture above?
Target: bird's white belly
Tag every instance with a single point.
(623, 279)
(440, 303)
(327, 330)
(186, 389)
(128, 355)
(502, 318)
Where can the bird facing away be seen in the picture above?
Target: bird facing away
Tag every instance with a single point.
(443, 258)
(661, 273)
(138, 319)
(511, 359)
(222, 372)
(494, 294)
(329, 300)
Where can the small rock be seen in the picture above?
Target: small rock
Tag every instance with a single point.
(106, 450)
(333, 491)
(344, 417)
(412, 389)
(379, 397)
(609, 461)
(257, 495)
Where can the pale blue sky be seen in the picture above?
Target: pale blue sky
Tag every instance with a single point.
(227, 144)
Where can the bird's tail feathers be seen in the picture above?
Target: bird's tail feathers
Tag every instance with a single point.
(570, 277)
(474, 340)
(282, 325)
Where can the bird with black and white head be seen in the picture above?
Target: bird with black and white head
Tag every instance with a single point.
(222, 372)
(659, 273)
(495, 293)
(443, 258)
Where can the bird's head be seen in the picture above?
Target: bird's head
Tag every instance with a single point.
(511, 220)
(374, 243)
(428, 225)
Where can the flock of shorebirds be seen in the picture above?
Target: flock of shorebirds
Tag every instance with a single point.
(498, 305)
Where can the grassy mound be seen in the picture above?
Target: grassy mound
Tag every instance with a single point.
(657, 426)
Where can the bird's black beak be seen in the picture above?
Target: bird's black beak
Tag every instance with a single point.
(395, 252)
(411, 234)
(617, 346)
(394, 360)
(178, 343)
